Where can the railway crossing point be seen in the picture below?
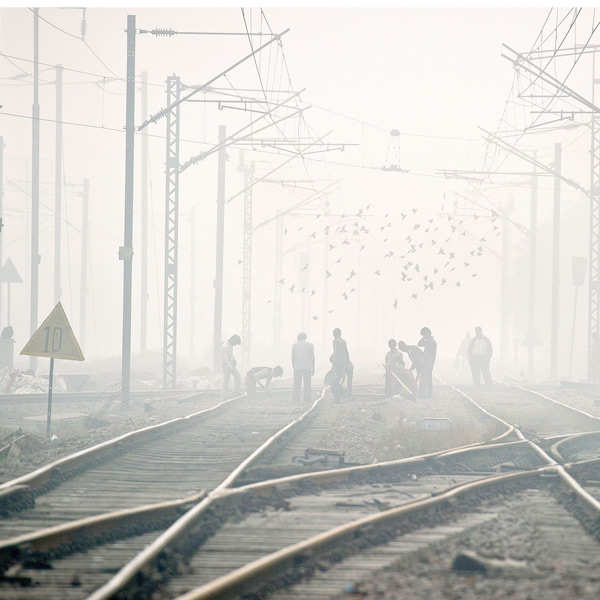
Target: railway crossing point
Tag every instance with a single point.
(54, 339)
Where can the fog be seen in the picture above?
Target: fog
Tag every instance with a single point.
(394, 99)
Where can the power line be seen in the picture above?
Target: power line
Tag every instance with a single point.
(67, 33)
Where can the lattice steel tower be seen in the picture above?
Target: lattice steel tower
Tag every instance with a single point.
(171, 236)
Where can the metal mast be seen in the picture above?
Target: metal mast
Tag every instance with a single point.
(504, 284)
(532, 272)
(247, 266)
(144, 218)
(171, 235)
(85, 244)
(218, 311)
(555, 264)
(58, 184)
(1, 212)
(192, 283)
(594, 285)
(35, 187)
(126, 251)
(277, 291)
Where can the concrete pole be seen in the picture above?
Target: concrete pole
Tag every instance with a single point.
(277, 295)
(144, 218)
(193, 255)
(85, 245)
(247, 267)
(532, 274)
(2, 224)
(58, 184)
(504, 284)
(35, 188)
(126, 251)
(554, 325)
(325, 308)
(218, 314)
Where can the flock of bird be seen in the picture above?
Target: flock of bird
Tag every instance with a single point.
(423, 253)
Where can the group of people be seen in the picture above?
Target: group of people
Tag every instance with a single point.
(415, 380)
(339, 377)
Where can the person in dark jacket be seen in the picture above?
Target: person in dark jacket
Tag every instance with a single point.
(341, 365)
(429, 345)
(417, 363)
(480, 355)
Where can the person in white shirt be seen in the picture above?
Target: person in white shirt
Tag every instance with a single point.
(303, 364)
(229, 364)
(480, 354)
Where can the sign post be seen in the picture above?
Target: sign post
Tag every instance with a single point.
(53, 339)
(8, 275)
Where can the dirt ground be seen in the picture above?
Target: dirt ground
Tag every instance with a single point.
(371, 428)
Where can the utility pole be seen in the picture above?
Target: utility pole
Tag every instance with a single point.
(278, 286)
(193, 281)
(171, 235)
(594, 281)
(144, 217)
(504, 283)
(247, 265)
(126, 251)
(2, 224)
(554, 326)
(85, 244)
(58, 183)
(218, 310)
(532, 271)
(325, 308)
(303, 267)
(35, 187)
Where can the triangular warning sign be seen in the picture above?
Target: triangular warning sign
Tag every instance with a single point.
(54, 338)
(9, 273)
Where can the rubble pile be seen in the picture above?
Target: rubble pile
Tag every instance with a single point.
(15, 381)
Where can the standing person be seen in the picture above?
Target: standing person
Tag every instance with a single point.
(260, 377)
(229, 364)
(393, 365)
(303, 364)
(480, 354)
(417, 360)
(429, 345)
(462, 354)
(340, 360)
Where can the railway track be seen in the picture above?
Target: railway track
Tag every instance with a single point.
(104, 486)
(304, 515)
(224, 565)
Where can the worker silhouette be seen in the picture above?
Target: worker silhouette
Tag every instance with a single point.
(480, 355)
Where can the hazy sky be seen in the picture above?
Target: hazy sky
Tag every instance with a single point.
(431, 72)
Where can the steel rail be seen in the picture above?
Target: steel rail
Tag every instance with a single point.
(509, 427)
(554, 401)
(61, 535)
(65, 534)
(227, 584)
(130, 570)
(38, 478)
(260, 567)
(100, 525)
(554, 449)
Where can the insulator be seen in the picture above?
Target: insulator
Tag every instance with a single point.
(161, 32)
